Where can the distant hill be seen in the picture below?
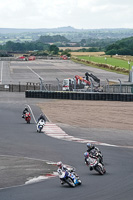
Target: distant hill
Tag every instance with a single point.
(66, 29)
(83, 37)
(61, 29)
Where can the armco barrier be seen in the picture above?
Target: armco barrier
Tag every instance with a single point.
(95, 96)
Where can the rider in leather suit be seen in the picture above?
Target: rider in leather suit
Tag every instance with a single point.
(42, 117)
(25, 111)
(94, 152)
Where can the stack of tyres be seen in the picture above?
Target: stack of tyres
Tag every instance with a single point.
(131, 97)
(88, 96)
(43, 94)
(61, 95)
(46, 94)
(49, 94)
(75, 94)
(111, 97)
(118, 97)
(55, 95)
(71, 95)
(27, 94)
(67, 95)
(114, 97)
(37, 94)
(64, 95)
(58, 95)
(128, 97)
(107, 96)
(32, 94)
(97, 96)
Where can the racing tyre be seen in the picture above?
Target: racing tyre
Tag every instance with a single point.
(99, 170)
(70, 182)
(79, 182)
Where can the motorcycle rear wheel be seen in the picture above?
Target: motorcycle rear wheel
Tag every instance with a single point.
(28, 121)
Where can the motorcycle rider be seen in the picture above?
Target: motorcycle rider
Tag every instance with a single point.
(94, 152)
(86, 155)
(25, 111)
(42, 117)
(64, 168)
(61, 167)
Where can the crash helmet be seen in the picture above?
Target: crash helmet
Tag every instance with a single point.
(26, 108)
(86, 154)
(59, 164)
(90, 146)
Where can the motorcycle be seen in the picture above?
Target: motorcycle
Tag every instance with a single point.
(40, 125)
(94, 163)
(69, 177)
(97, 154)
(27, 117)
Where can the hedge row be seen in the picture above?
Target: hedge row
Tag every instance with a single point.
(79, 95)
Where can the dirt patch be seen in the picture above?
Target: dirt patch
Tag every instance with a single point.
(90, 114)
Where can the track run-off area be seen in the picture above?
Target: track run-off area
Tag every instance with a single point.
(27, 158)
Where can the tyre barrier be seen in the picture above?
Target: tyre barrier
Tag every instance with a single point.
(95, 96)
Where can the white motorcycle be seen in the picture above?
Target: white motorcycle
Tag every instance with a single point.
(94, 163)
(69, 177)
(40, 125)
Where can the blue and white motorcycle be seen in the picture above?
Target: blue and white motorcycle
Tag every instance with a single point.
(69, 177)
(40, 125)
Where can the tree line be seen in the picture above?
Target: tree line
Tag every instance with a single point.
(43, 46)
(121, 47)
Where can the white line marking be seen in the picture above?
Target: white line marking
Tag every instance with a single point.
(32, 113)
(35, 72)
(1, 72)
(47, 161)
(53, 130)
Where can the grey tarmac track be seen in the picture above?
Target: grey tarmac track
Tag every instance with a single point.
(21, 140)
(17, 71)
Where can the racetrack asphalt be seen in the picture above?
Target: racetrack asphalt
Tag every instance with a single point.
(21, 140)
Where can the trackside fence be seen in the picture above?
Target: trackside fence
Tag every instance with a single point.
(79, 95)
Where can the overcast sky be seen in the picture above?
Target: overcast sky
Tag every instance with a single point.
(84, 14)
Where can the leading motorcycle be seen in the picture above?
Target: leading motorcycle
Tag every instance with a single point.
(69, 177)
(27, 117)
(93, 163)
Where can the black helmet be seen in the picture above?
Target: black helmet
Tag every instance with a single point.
(26, 108)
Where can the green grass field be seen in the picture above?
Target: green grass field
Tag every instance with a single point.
(108, 60)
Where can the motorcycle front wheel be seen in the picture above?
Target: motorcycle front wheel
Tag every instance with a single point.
(79, 182)
(70, 182)
(40, 130)
(99, 170)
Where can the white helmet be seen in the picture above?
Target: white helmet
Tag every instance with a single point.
(59, 164)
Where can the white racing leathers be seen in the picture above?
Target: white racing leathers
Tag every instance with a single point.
(68, 177)
(94, 163)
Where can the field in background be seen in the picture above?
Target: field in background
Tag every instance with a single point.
(118, 62)
(87, 53)
(73, 48)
